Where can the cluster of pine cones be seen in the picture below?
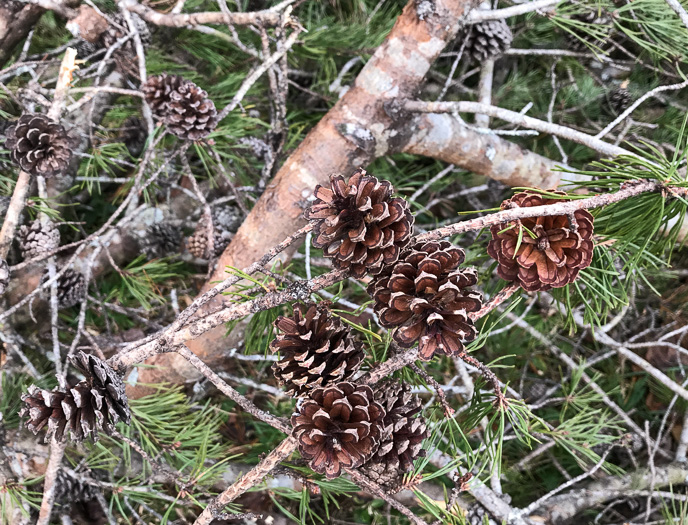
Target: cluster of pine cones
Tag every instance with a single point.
(422, 292)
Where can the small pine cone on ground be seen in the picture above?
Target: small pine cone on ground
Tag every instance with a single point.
(69, 489)
(71, 288)
(338, 427)
(181, 105)
(38, 238)
(316, 350)
(402, 436)
(487, 40)
(39, 146)
(426, 297)
(96, 403)
(541, 253)
(599, 30)
(197, 244)
(359, 224)
(4, 276)
(619, 100)
(161, 239)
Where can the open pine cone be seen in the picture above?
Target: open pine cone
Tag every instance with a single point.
(38, 238)
(38, 145)
(161, 239)
(402, 436)
(182, 105)
(549, 252)
(487, 40)
(337, 427)
(358, 223)
(425, 296)
(316, 349)
(71, 288)
(96, 403)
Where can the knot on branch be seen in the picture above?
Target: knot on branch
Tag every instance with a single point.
(299, 291)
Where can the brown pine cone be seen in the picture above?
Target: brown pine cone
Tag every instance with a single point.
(39, 146)
(181, 105)
(487, 40)
(541, 253)
(71, 288)
(157, 90)
(425, 296)
(316, 350)
(358, 223)
(94, 404)
(197, 243)
(402, 437)
(4, 276)
(338, 427)
(38, 238)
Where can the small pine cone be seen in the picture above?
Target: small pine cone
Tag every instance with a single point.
(316, 350)
(96, 403)
(71, 288)
(4, 276)
(487, 40)
(338, 426)
(227, 218)
(426, 297)
(541, 253)
(38, 145)
(358, 224)
(402, 437)
(619, 100)
(161, 239)
(600, 30)
(182, 105)
(114, 32)
(197, 244)
(38, 239)
(134, 136)
(69, 489)
(191, 114)
(157, 91)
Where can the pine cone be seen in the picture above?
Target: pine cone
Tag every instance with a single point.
(96, 403)
(619, 100)
(38, 145)
(69, 489)
(338, 426)
(402, 437)
(316, 350)
(4, 276)
(426, 297)
(134, 136)
(38, 239)
(559, 250)
(487, 40)
(71, 288)
(157, 91)
(579, 40)
(227, 218)
(197, 244)
(120, 29)
(161, 239)
(358, 223)
(182, 105)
